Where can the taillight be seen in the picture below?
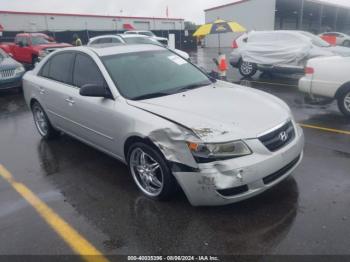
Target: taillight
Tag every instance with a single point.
(234, 44)
(309, 70)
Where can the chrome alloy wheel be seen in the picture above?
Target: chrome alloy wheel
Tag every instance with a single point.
(40, 120)
(147, 172)
(347, 102)
(246, 68)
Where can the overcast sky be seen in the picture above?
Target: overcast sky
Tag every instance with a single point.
(189, 9)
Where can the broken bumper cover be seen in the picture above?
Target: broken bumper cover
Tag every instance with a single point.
(230, 181)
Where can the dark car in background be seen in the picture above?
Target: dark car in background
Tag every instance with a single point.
(11, 72)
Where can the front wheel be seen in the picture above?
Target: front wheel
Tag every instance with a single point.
(344, 102)
(42, 122)
(247, 69)
(150, 171)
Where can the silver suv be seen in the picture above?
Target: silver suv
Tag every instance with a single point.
(167, 120)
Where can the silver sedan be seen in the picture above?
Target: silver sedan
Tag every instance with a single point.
(167, 120)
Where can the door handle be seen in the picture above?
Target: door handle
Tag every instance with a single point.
(70, 101)
(41, 90)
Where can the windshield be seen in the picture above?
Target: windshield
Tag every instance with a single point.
(153, 74)
(141, 40)
(317, 41)
(147, 33)
(39, 40)
(3, 55)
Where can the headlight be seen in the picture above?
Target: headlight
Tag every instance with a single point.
(208, 152)
(19, 70)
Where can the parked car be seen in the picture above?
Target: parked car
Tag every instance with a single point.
(279, 51)
(167, 120)
(162, 40)
(108, 40)
(341, 38)
(11, 72)
(29, 48)
(328, 77)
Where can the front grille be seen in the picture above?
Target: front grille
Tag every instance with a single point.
(7, 73)
(279, 137)
(269, 179)
(233, 191)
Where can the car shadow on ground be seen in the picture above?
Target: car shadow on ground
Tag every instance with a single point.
(100, 189)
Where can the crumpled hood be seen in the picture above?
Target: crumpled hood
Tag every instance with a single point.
(220, 112)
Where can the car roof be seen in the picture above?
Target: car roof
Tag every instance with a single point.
(134, 36)
(138, 31)
(103, 36)
(118, 36)
(277, 31)
(296, 33)
(115, 50)
(32, 34)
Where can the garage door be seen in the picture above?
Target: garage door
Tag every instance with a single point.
(142, 25)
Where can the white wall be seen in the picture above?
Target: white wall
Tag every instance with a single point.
(32, 23)
(252, 14)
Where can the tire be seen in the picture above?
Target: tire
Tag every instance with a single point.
(344, 101)
(247, 69)
(346, 43)
(158, 184)
(42, 122)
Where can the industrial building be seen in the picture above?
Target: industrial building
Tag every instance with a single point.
(56, 22)
(311, 15)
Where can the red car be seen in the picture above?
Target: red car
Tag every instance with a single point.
(29, 48)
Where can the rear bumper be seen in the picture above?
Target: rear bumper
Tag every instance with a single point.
(282, 69)
(305, 84)
(234, 180)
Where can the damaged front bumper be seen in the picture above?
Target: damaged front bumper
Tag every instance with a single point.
(230, 181)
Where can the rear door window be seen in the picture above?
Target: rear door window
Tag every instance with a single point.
(86, 72)
(60, 67)
(45, 70)
(116, 40)
(105, 40)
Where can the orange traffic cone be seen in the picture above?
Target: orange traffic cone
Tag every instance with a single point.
(222, 66)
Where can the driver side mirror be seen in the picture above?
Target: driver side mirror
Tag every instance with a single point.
(94, 90)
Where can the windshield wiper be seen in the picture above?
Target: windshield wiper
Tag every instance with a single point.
(149, 96)
(192, 86)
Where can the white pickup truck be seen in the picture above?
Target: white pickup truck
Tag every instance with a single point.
(328, 77)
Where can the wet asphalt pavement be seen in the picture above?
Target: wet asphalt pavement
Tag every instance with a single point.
(308, 213)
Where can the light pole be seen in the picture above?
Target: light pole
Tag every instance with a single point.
(320, 18)
(301, 15)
